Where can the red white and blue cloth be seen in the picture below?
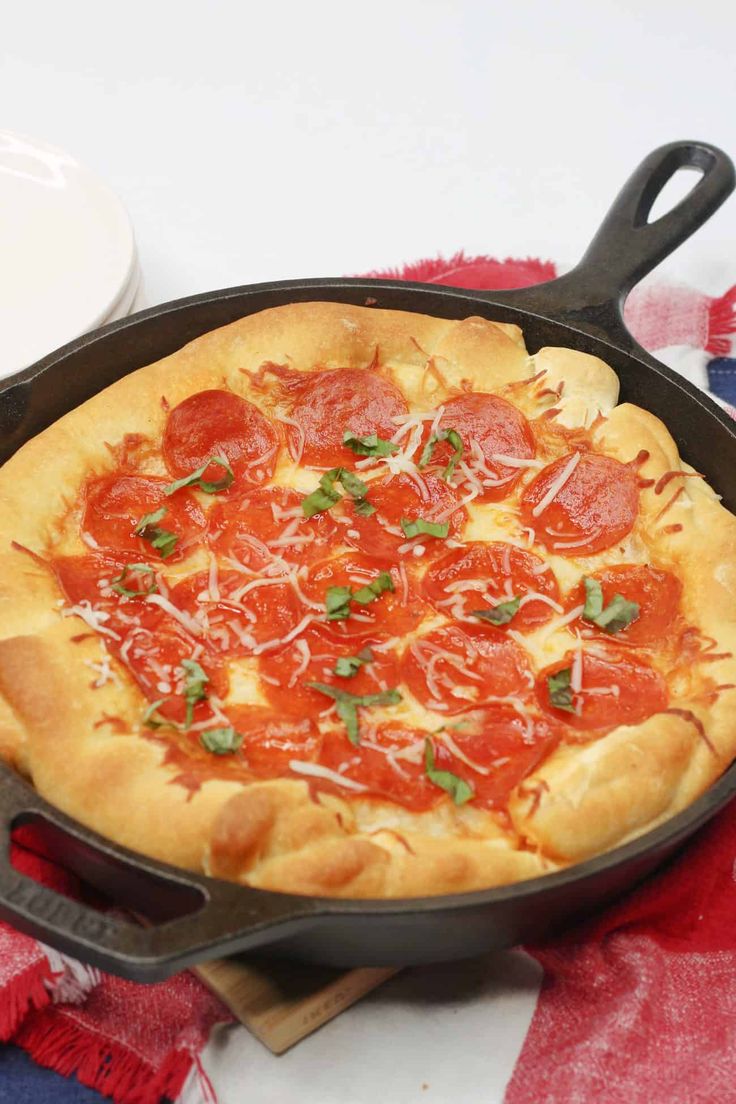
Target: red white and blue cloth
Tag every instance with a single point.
(637, 1006)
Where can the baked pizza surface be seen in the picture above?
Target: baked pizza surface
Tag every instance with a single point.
(365, 603)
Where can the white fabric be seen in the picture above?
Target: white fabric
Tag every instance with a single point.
(441, 1033)
(71, 981)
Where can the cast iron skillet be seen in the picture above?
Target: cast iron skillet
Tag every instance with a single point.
(194, 917)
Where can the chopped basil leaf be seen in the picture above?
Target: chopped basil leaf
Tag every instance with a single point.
(453, 438)
(326, 496)
(500, 614)
(348, 666)
(428, 528)
(560, 691)
(357, 490)
(318, 501)
(338, 598)
(347, 704)
(427, 451)
(617, 615)
(153, 719)
(204, 485)
(194, 686)
(337, 603)
(150, 519)
(161, 539)
(371, 591)
(373, 445)
(363, 507)
(458, 789)
(347, 711)
(593, 598)
(355, 487)
(221, 741)
(118, 583)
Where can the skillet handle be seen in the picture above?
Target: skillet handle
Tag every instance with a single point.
(195, 917)
(627, 247)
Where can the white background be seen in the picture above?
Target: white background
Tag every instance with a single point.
(253, 142)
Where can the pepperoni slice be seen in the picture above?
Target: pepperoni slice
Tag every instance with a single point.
(239, 614)
(88, 577)
(454, 669)
(380, 764)
(499, 746)
(656, 592)
(258, 525)
(480, 576)
(220, 423)
(153, 649)
(114, 504)
(312, 658)
(491, 430)
(332, 401)
(582, 503)
(615, 690)
(392, 613)
(146, 638)
(271, 741)
(403, 496)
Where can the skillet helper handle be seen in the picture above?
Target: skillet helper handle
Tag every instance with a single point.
(219, 917)
(627, 247)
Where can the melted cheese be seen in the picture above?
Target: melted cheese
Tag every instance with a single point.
(245, 682)
(486, 522)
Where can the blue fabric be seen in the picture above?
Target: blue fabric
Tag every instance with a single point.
(23, 1082)
(722, 378)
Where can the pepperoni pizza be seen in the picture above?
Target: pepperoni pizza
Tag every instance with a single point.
(355, 602)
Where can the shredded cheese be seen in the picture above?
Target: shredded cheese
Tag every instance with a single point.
(315, 770)
(269, 645)
(514, 461)
(192, 626)
(557, 485)
(535, 596)
(301, 439)
(446, 739)
(93, 617)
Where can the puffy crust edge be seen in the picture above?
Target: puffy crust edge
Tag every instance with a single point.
(274, 834)
(580, 802)
(585, 800)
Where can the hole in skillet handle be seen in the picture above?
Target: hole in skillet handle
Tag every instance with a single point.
(226, 917)
(154, 898)
(680, 185)
(630, 243)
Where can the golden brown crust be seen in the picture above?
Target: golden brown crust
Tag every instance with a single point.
(114, 781)
(583, 799)
(595, 797)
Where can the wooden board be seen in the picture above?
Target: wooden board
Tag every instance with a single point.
(282, 1002)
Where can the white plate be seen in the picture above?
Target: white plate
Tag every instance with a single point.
(67, 248)
(130, 301)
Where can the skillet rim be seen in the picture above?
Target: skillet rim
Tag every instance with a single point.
(669, 834)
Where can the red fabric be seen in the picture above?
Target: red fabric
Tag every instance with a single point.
(639, 1006)
(674, 315)
(133, 1043)
(483, 273)
(657, 315)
